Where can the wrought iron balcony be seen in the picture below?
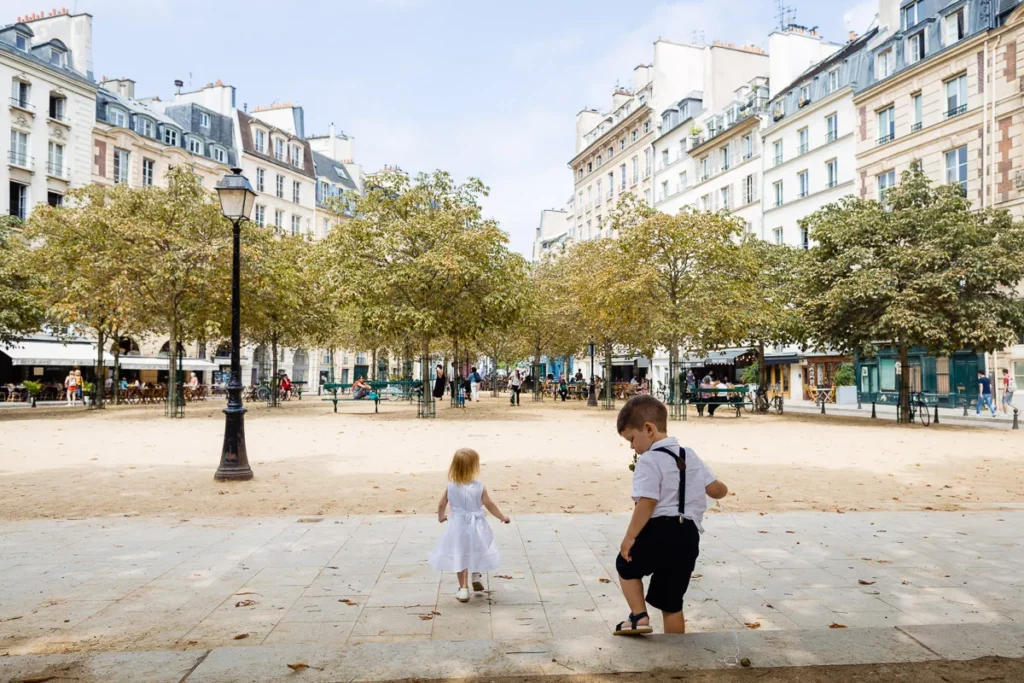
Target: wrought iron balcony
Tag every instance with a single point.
(20, 160)
(886, 139)
(57, 170)
(956, 111)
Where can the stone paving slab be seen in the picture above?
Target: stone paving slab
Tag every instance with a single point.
(439, 660)
(123, 584)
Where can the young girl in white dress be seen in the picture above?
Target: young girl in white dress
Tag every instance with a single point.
(468, 543)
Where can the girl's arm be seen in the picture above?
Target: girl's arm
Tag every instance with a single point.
(441, 507)
(492, 508)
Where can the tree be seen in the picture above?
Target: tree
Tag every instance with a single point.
(770, 315)
(277, 294)
(418, 259)
(923, 269)
(79, 256)
(689, 270)
(20, 312)
(547, 322)
(177, 256)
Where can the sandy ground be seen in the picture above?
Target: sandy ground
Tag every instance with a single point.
(987, 669)
(546, 457)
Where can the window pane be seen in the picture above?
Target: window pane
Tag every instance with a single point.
(887, 372)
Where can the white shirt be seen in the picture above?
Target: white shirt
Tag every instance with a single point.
(657, 476)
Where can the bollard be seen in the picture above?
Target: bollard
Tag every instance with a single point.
(966, 401)
(936, 413)
(822, 406)
(1015, 424)
(873, 415)
(858, 401)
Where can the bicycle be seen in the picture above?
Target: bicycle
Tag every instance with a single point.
(919, 409)
(660, 393)
(762, 404)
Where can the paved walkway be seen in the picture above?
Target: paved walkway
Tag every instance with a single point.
(887, 412)
(151, 584)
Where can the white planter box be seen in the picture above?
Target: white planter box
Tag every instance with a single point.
(846, 396)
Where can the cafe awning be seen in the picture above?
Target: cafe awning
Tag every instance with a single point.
(725, 357)
(782, 359)
(54, 353)
(160, 363)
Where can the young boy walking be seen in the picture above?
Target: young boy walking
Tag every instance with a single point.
(670, 489)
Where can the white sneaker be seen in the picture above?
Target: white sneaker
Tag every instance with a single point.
(462, 595)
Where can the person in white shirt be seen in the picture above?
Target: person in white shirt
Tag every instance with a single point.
(663, 537)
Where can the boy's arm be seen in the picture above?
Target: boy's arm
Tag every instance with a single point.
(491, 507)
(716, 490)
(642, 512)
(442, 505)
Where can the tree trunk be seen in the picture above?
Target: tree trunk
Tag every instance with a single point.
(762, 369)
(172, 378)
(425, 371)
(536, 371)
(275, 386)
(98, 385)
(676, 390)
(117, 372)
(608, 373)
(373, 365)
(904, 384)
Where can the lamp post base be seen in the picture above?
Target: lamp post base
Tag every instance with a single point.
(591, 396)
(234, 459)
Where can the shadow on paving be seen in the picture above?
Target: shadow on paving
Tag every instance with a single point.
(984, 670)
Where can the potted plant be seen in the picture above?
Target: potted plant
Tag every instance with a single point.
(87, 388)
(846, 385)
(33, 389)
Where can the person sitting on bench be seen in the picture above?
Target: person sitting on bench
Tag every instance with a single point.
(360, 389)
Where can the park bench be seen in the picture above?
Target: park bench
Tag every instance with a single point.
(731, 399)
(335, 389)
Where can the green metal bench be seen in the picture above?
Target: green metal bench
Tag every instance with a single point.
(335, 388)
(736, 398)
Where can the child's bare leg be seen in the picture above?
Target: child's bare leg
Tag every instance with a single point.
(463, 578)
(633, 591)
(674, 622)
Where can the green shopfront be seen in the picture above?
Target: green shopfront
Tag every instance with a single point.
(943, 380)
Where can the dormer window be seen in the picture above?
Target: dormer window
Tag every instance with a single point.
(295, 155)
(21, 41)
(116, 117)
(204, 120)
(195, 145)
(144, 126)
(261, 141)
(220, 155)
(170, 137)
(58, 57)
(279, 149)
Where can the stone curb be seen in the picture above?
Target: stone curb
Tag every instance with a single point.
(482, 658)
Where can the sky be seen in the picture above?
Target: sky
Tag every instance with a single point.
(477, 88)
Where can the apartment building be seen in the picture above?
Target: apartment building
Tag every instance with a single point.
(48, 119)
(613, 149)
(136, 141)
(810, 158)
(552, 235)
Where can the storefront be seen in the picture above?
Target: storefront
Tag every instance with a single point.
(820, 371)
(727, 365)
(48, 360)
(779, 370)
(153, 370)
(946, 379)
(625, 368)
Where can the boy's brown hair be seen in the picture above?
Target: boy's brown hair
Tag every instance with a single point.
(642, 409)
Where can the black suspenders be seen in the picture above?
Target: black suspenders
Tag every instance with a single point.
(680, 459)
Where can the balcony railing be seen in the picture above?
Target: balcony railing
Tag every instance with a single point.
(803, 194)
(831, 184)
(57, 170)
(20, 160)
(748, 156)
(956, 111)
(803, 148)
(916, 127)
(779, 202)
(610, 195)
(59, 118)
(832, 136)
(886, 139)
(22, 104)
(778, 159)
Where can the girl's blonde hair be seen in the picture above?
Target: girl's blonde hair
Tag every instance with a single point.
(465, 466)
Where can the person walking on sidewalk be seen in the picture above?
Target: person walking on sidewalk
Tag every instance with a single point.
(985, 393)
(474, 385)
(1009, 386)
(515, 385)
(468, 543)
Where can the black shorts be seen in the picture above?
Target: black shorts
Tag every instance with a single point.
(666, 551)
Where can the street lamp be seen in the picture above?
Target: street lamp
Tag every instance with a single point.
(236, 202)
(592, 394)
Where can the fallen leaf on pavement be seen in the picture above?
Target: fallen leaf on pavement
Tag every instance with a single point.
(502, 576)
(604, 580)
(752, 624)
(245, 603)
(426, 617)
(835, 625)
(37, 679)
(865, 583)
(241, 636)
(347, 602)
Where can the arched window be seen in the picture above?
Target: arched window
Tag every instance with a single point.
(128, 346)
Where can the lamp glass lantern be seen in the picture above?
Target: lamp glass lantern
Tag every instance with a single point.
(237, 197)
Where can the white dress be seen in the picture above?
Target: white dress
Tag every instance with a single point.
(468, 542)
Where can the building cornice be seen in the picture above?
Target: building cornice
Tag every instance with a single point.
(815, 106)
(932, 61)
(750, 122)
(612, 133)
